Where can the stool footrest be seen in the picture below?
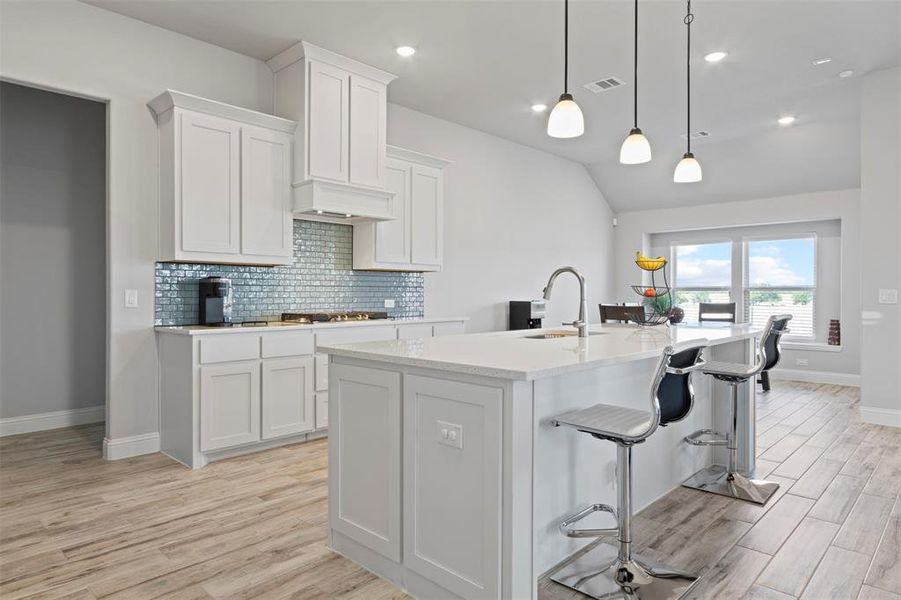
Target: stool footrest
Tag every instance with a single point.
(566, 524)
(697, 439)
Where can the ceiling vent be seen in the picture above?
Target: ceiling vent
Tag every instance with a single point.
(697, 135)
(604, 85)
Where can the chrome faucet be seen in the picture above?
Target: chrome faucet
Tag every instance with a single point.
(581, 324)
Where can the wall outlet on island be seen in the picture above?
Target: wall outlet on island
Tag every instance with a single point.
(802, 362)
(389, 302)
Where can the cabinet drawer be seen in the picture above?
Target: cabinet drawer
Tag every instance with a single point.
(355, 334)
(452, 328)
(321, 372)
(229, 347)
(288, 343)
(321, 410)
(414, 331)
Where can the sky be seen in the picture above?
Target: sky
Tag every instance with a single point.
(776, 263)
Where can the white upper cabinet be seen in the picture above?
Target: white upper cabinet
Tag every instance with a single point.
(266, 220)
(414, 239)
(341, 107)
(225, 182)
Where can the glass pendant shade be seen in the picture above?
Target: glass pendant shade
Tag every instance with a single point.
(566, 120)
(688, 170)
(635, 149)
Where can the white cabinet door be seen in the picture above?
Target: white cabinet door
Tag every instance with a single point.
(392, 238)
(427, 221)
(368, 109)
(207, 176)
(229, 405)
(452, 484)
(365, 449)
(329, 96)
(266, 220)
(288, 401)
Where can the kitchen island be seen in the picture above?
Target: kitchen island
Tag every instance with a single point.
(445, 474)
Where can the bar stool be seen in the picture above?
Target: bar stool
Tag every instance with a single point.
(607, 572)
(728, 481)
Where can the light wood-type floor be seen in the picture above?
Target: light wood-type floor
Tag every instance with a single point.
(74, 526)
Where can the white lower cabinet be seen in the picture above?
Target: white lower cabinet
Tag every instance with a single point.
(229, 405)
(288, 400)
(452, 484)
(365, 439)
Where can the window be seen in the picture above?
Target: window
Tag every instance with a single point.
(703, 273)
(780, 277)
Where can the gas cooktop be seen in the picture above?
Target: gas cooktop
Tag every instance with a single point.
(332, 317)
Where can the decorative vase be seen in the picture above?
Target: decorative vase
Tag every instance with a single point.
(676, 315)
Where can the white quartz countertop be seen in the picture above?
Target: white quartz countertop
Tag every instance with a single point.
(513, 355)
(280, 326)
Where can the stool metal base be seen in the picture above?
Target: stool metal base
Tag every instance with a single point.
(717, 480)
(600, 574)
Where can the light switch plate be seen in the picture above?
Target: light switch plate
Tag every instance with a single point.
(888, 296)
(389, 302)
(131, 298)
(449, 434)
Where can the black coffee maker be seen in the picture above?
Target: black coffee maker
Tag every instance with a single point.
(526, 314)
(215, 301)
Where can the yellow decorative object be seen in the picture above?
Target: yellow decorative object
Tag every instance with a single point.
(649, 264)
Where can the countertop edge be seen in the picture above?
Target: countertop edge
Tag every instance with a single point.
(201, 330)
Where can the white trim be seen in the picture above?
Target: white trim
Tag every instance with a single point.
(136, 445)
(810, 346)
(881, 416)
(172, 99)
(310, 52)
(52, 420)
(817, 376)
(417, 157)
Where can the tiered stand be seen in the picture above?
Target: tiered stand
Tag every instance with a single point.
(654, 295)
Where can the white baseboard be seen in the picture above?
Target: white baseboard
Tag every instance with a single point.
(881, 416)
(816, 376)
(136, 445)
(52, 420)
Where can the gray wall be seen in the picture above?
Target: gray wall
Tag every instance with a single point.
(52, 252)
(320, 278)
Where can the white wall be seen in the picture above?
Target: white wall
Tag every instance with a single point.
(634, 228)
(880, 200)
(53, 270)
(72, 46)
(513, 214)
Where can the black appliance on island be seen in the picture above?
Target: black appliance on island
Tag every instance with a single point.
(215, 301)
(526, 314)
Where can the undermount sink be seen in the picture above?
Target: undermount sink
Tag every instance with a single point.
(558, 333)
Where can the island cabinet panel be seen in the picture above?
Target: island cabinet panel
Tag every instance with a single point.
(365, 444)
(288, 400)
(229, 405)
(452, 484)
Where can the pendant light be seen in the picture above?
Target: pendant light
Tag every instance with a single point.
(566, 119)
(689, 169)
(635, 149)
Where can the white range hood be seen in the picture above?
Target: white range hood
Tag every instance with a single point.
(340, 142)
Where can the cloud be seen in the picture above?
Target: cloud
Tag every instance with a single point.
(772, 271)
(707, 272)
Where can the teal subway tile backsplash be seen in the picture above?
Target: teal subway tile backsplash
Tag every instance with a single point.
(320, 278)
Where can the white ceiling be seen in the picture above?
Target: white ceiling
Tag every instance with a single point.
(483, 63)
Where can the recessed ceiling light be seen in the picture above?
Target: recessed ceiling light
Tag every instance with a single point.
(821, 61)
(786, 120)
(846, 73)
(405, 50)
(716, 56)
(539, 107)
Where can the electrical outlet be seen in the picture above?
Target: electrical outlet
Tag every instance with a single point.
(802, 362)
(888, 296)
(450, 434)
(389, 302)
(131, 298)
